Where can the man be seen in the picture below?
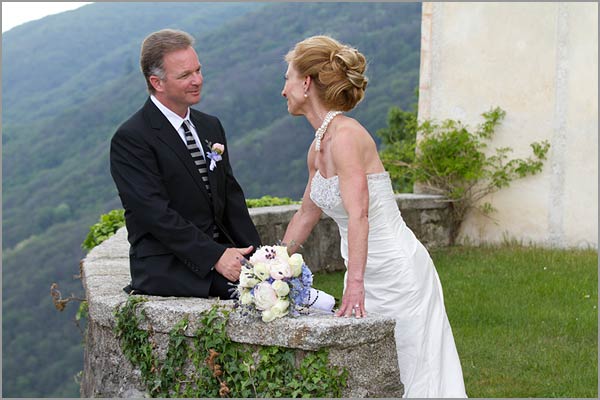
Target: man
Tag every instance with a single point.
(186, 214)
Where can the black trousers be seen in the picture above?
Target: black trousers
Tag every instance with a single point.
(221, 287)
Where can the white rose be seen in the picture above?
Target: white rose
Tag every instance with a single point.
(260, 255)
(247, 279)
(296, 262)
(264, 296)
(268, 316)
(246, 298)
(280, 269)
(281, 252)
(277, 311)
(281, 307)
(261, 270)
(281, 288)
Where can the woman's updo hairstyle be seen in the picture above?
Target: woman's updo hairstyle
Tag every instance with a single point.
(337, 70)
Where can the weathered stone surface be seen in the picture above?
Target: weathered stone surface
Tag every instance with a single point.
(372, 368)
(311, 332)
(119, 247)
(366, 347)
(425, 215)
(107, 373)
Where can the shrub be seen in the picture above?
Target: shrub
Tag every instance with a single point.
(398, 140)
(107, 225)
(267, 200)
(450, 160)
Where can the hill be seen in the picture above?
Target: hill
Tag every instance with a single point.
(69, 80)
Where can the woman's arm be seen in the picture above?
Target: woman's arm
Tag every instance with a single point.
(348, 155)
(305, 219)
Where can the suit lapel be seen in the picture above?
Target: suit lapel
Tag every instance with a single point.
(167, 134)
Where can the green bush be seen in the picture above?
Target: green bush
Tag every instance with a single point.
(398, 140)
(107, 225)
(267, 200)
(451, 160)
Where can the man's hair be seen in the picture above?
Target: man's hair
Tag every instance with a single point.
(154, 48)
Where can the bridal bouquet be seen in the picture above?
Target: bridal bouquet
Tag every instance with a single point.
(274, 284)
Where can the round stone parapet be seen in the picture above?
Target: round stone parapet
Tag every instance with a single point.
(417, 201)
(106, 272)
(365, 347)
(425, 214)
(405, 201)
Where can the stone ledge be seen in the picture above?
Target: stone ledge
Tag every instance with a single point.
(110, 272)
(106, 272)
(118, 248)
(405, 201)
(366, 347)
(413, 201)
(312, 332)
(425, 214)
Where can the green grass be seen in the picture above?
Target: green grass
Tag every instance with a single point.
(524, 319)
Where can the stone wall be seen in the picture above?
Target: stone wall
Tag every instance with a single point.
(366, 347)
(426, 215)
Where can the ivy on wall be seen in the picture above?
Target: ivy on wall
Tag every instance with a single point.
(222, 368)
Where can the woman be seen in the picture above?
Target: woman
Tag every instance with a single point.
(389, 272)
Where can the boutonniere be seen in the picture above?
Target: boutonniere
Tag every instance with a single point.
(214, 154)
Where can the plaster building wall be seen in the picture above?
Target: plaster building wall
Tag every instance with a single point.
(538, 62)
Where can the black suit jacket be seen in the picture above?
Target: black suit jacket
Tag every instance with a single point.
(168, 212)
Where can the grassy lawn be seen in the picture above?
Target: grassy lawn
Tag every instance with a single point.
(525, 320)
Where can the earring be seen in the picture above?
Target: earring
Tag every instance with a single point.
(305, 95)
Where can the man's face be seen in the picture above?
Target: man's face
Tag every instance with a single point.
(183, 81)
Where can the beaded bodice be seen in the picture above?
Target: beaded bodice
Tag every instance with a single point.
(325, 192)
(384, 215)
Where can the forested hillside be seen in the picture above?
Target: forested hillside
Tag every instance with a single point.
(69, 80)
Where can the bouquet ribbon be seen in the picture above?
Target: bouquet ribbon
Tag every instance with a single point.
(319, 300)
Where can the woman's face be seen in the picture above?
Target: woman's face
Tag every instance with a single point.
(294, 90)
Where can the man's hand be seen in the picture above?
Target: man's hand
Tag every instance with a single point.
(230, 263)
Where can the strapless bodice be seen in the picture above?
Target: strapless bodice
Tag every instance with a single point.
(325, 192)
(386, 226)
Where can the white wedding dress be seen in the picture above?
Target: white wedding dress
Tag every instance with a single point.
(401, 282)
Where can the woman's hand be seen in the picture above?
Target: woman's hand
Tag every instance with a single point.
(353, 300)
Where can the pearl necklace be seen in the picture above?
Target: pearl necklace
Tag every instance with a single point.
(321, 131)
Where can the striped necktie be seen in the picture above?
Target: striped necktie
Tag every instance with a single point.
(200, 162)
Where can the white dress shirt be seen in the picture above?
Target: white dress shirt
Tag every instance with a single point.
(176, 121)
